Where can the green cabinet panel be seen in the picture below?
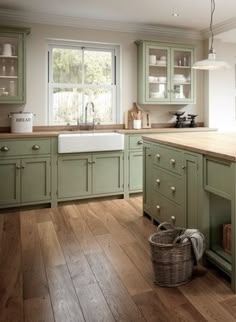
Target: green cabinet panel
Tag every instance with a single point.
(217, 177)
(12, 65)
(136, 171)
(165, 74)
(35, 179)
(147, 179)
(74, 175)
(135, 142)
(107, 173)
(192, 188)
(10, 182)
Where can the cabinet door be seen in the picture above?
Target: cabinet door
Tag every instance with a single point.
(182, 75)
(157, 76)
(107, 173)
(9, 182)
(12, 66)
(74, 176)
(35, 179)
(147, 178)
(135, 171)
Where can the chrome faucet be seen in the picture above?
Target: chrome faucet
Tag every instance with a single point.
(89, 104)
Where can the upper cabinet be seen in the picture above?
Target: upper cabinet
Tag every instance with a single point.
(165, 74)
(12, 65)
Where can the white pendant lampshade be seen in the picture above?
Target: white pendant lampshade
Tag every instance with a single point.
(211, 63)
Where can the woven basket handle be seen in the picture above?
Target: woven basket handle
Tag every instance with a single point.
(165, 226)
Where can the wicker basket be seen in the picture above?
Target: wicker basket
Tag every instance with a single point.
(172, 262)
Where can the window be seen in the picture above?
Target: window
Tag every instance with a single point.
(83, 77)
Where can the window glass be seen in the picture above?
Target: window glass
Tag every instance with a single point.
(83, 84)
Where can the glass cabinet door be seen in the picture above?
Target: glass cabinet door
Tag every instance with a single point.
(12, 65)
(182, 75)
(157, 74)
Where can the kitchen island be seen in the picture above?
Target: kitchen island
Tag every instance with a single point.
(190, 180)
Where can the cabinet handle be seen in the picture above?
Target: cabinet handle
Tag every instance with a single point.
(93, 162)
(18, 167)
(4, 149)
(90, 162)
(172, 161)
(22, 167)
(183, 167)
(158, 156)
(158, 208)
(35, 147)
(158, 181)
(173, 189)
(149, 155)
(140, 142)
(173, 219)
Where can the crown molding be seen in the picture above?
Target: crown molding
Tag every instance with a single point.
(220, 28)
(13, 17)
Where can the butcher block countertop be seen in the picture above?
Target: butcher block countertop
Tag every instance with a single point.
(55, 133)
(217, 144)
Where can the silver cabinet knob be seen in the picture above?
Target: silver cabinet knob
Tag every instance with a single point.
(90, 162)
(35, 147)
(140, 142)
(4, 149)
(173, 219)
(158, 156)
(158, 181)
(18, 167)
(158, 208)
(183, 167)
(173, 189)
(172, 161)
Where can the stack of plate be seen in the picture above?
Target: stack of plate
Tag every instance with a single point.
(161, 63)
(179, 78)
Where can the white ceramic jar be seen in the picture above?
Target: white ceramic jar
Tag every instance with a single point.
(21, 122)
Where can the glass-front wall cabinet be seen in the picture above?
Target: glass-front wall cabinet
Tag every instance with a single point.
(165, 73)
(12, 65)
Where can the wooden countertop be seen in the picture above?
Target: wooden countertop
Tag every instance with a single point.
(217, 144)
(36, 134)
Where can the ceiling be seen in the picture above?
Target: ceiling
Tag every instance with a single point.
(192, 14)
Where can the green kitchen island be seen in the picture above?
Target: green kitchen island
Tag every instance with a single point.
(190, 180)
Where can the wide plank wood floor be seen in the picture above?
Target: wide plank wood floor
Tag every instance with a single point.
(91, 262)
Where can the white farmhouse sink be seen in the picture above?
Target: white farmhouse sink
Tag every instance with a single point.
(90, 142)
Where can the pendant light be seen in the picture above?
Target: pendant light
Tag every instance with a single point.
(211, 63)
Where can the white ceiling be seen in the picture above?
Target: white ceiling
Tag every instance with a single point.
(193, 14)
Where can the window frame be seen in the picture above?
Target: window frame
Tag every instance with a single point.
(115, 86)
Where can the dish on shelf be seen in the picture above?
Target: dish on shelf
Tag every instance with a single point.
(161, 63)
(157, 95)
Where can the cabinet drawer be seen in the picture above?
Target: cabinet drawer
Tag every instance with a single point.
(25, 147)
(165, 210)
(168, 184)
(218, 177)
(135, 142)
(168, 159)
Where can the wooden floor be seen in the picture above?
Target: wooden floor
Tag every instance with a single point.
(91, 262)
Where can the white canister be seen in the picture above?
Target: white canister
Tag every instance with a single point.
(137, 124)
(152, 59)
(21, 122)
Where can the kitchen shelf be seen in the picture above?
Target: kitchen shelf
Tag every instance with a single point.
(182, 83)
(3, 57)
(7, 77)
(157, 65)
(182, 67)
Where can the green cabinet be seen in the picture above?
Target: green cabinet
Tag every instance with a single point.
(25, 171)
(172, 184)
(12, 65)
(135, 171)
(81, 175)
(165, 74)
(74, 175)
(10, 182)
